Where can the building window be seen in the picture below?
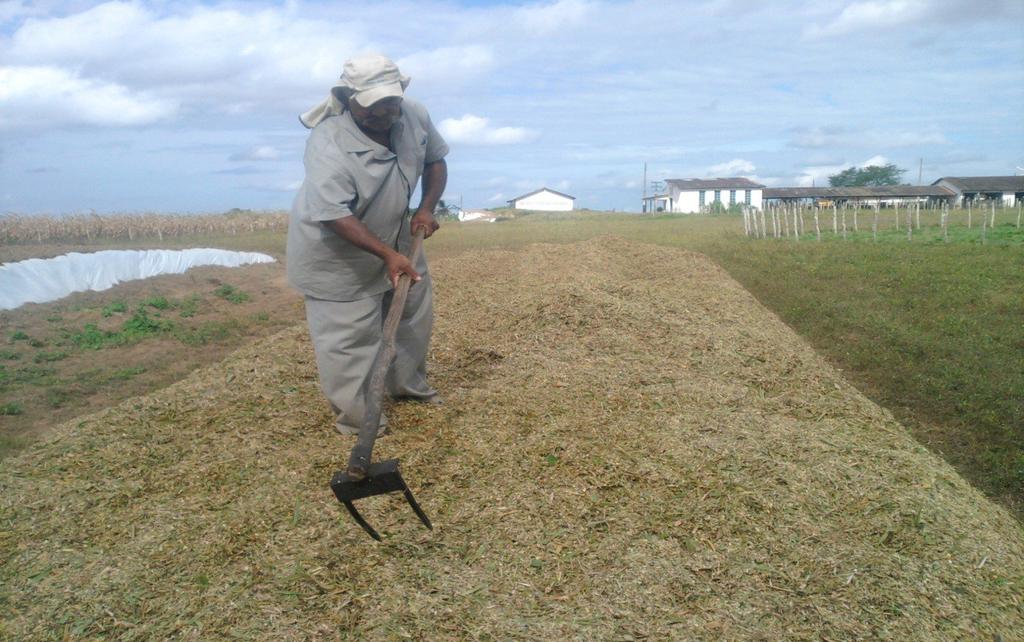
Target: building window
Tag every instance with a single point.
(702, 198)
(746, 196)
(732, 197)
(718, 196)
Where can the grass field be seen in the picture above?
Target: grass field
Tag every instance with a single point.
(632, 448)
(929, 329)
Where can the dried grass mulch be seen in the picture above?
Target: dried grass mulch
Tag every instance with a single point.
(632, 447)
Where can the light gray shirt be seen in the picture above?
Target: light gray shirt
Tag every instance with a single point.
(348, 174)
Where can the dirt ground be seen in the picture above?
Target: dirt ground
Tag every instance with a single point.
(81, 381)
(633, 449)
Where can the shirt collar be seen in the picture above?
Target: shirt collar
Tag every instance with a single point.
(355, 140)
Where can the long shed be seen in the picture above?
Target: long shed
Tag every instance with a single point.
(1007, 189)
(882, 195)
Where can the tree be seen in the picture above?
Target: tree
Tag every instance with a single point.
(870, 176)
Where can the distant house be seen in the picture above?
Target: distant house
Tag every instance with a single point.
(477, 215)
(544, 200)
(696, 195)
(1007, 189)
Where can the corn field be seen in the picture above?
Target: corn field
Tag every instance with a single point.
(17, 229)
(814, 222)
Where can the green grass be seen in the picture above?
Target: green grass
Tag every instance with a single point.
(929, 329)
(11, 408)
(231, 293)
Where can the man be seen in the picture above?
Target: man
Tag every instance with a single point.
(349, 232)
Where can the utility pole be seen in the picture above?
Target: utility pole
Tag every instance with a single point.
(643, 202)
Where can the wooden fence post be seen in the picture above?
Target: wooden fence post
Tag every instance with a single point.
(897, 206)
(910, 224)
(945, 223)
(844, 223)
(874, 226)
(969, 222)
(835, 220)
(817, 228)
(992, 223)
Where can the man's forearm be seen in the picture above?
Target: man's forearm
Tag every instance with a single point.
(435, 177)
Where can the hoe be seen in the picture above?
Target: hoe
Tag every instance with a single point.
(362, 478)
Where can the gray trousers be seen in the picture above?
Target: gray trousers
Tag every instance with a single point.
(346, 338)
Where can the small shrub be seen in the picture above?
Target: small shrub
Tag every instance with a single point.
(57, 397)
(142, 325)
(36, 375)
(117, 307)
(36, 343)
(126, 373)
(209, 332)
(158, 302)
(230, 293)
(11, 408)
(9, 355)
(189, 306)
(91, 337)
(18, 335)
(45, 357)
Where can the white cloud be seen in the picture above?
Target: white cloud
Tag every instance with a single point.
(548, 19)
(443, 64)
(834, 136)
(818, 174)
(497, 198)
(16, 10)
(260, 153)
(867, 15)
(206, 57)
(48, 96)
(875, 15)
(735, 167)
(476, 130)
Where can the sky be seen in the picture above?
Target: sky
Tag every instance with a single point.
(188, 107)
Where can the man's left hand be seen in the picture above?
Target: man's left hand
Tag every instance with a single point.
(424, 219)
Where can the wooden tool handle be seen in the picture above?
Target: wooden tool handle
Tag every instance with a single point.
(359, 460)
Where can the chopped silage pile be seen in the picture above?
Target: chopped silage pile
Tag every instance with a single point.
(632, 447)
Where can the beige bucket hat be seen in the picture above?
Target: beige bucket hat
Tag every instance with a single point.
(366, 79)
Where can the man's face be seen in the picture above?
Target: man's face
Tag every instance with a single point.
(379, 116)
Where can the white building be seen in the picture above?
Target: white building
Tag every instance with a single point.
(477, 215)
(1009, 190)
(543, 200)
(699, 195)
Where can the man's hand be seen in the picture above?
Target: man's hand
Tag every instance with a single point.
(398, 265)
(424, 218)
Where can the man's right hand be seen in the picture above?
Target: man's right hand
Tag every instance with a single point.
(398, 265)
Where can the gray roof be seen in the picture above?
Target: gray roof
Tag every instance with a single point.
(713, 183)
(538, 191)
(891, 191)
(985, 183)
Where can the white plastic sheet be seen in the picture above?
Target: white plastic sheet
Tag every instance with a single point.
(42, 280)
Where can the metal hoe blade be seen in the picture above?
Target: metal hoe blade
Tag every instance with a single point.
(381, 478)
